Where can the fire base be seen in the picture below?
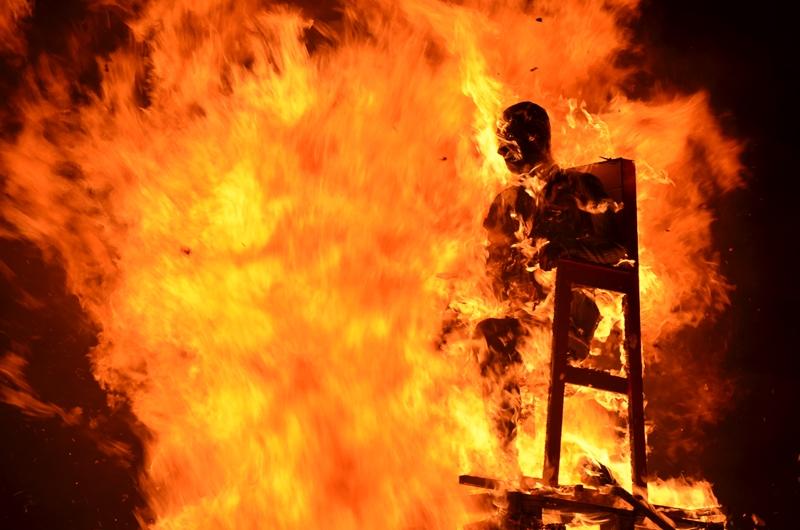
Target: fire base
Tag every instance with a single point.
(536, 506)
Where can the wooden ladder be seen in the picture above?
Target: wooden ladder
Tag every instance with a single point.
(619, 179)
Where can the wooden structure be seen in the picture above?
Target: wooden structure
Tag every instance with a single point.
(523, 506)
(619, 179)
(611, 507)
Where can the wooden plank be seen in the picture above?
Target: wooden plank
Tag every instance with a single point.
(714, 520)
(596, 379)
(558, 364)
(566, 505)
(479, 482)
(641, 505)
(630, 223)
(598, 276)
(636, 427)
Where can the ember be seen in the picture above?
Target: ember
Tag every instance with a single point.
(272, 217)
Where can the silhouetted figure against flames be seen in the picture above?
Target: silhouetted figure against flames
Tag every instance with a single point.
(547, 214)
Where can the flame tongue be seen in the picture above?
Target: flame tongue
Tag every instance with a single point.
(269, 238)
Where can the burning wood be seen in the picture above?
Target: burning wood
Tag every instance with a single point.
(264, 210)
(530, 503)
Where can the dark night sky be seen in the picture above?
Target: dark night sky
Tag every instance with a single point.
(52, 476)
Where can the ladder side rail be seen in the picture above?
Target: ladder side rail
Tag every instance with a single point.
(558, 364)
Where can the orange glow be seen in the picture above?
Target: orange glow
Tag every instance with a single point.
(270, 243)
(10, 16)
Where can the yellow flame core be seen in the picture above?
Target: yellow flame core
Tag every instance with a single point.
(271, 243)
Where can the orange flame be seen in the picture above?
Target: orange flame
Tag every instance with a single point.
(269, 236)
(12, 13)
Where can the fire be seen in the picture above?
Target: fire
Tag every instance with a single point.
(10, 16)
(268, 212)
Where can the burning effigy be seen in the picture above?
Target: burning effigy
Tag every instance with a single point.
(565, 221)
(275, 216)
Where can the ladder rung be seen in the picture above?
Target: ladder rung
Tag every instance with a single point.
(598, 276)
(596, 379)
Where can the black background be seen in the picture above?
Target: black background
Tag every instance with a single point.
(53, 476)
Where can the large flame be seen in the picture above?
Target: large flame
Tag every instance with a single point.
(267, 211)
